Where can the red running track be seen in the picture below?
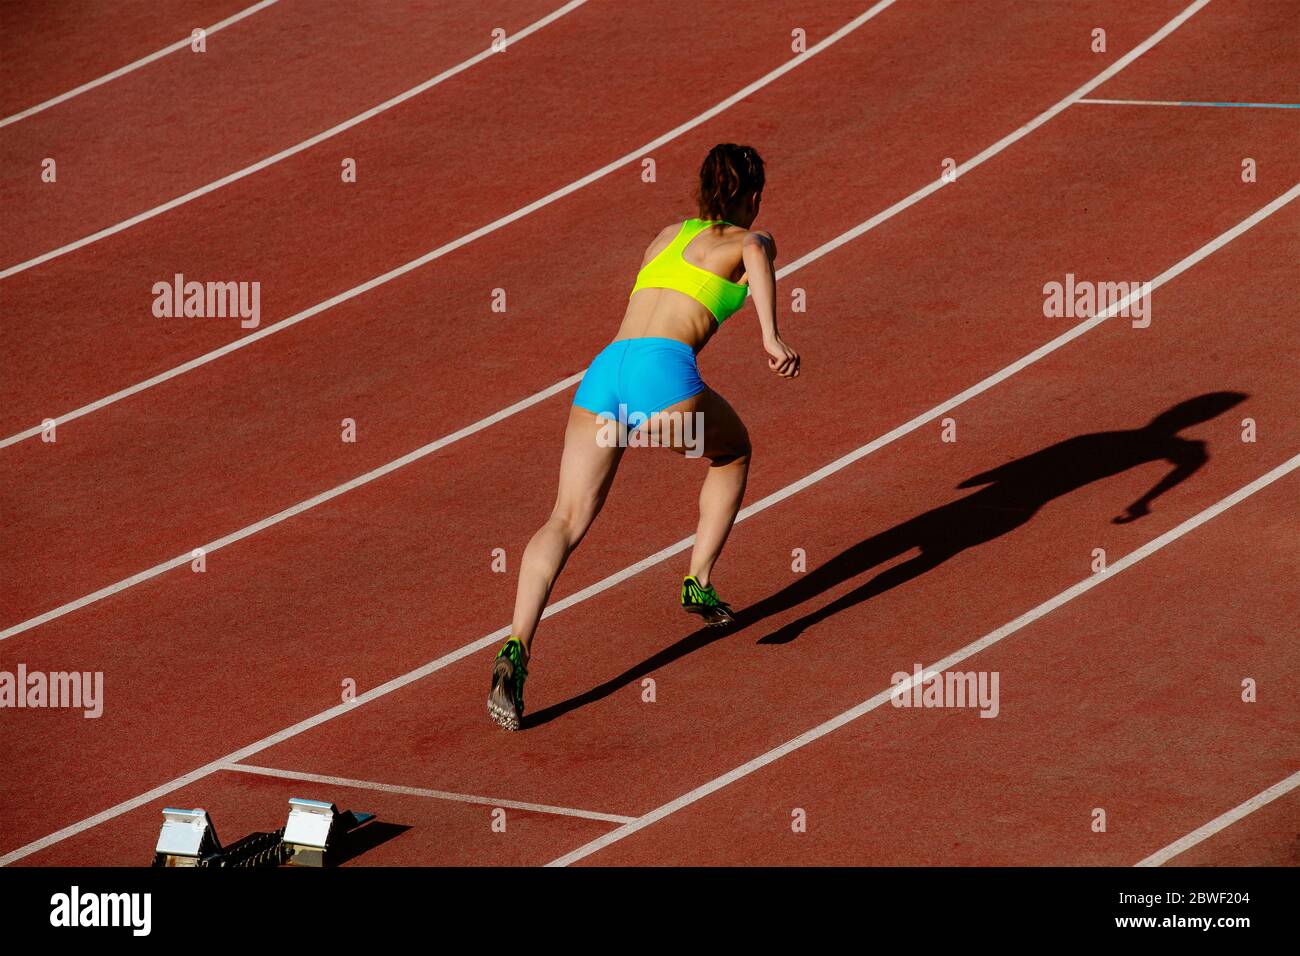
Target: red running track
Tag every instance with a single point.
(397, 573)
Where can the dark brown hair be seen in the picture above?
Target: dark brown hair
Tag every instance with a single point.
(728, 174)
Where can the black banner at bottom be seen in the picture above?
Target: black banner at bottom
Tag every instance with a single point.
(732, 905)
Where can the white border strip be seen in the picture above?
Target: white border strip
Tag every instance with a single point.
(924, 418)
(143, 61)
(423, 792)
(817, 253)
(1222, 822)
(953, 659)
(489, 639)
(290, 151)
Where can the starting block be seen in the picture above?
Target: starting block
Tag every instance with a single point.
(187, 837)
(313, 836)
(316, 830)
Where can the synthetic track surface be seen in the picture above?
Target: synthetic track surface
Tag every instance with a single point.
(1126, 697)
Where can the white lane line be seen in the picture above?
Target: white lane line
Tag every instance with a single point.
(489, 639)
(1254, 106)
(924, 418)
(817, 253)
(422, 792)
(290, 151)
(130, 67)
(1005, 141)
(953, 659)
(463, 240)
(1222, 822)
(297, 509)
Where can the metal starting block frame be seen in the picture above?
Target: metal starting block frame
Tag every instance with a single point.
(316, 830)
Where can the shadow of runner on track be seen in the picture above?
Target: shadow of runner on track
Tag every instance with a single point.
(1011, 495)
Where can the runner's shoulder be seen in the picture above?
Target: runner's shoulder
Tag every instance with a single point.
(763, 239)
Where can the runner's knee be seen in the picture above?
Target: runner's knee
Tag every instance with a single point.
(576, 516)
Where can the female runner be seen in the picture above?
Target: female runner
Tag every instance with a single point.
(693, 276)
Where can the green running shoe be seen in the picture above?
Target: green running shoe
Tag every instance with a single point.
(505, 702)
(697, 599)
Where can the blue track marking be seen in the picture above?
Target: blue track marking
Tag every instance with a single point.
(1269, 106)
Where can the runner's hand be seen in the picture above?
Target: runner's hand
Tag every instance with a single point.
(782, 359)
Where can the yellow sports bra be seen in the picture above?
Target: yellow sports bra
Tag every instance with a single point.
(670, 270)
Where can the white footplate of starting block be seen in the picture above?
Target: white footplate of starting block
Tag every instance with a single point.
(316, 827)
(310, 822)
(186, 837)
